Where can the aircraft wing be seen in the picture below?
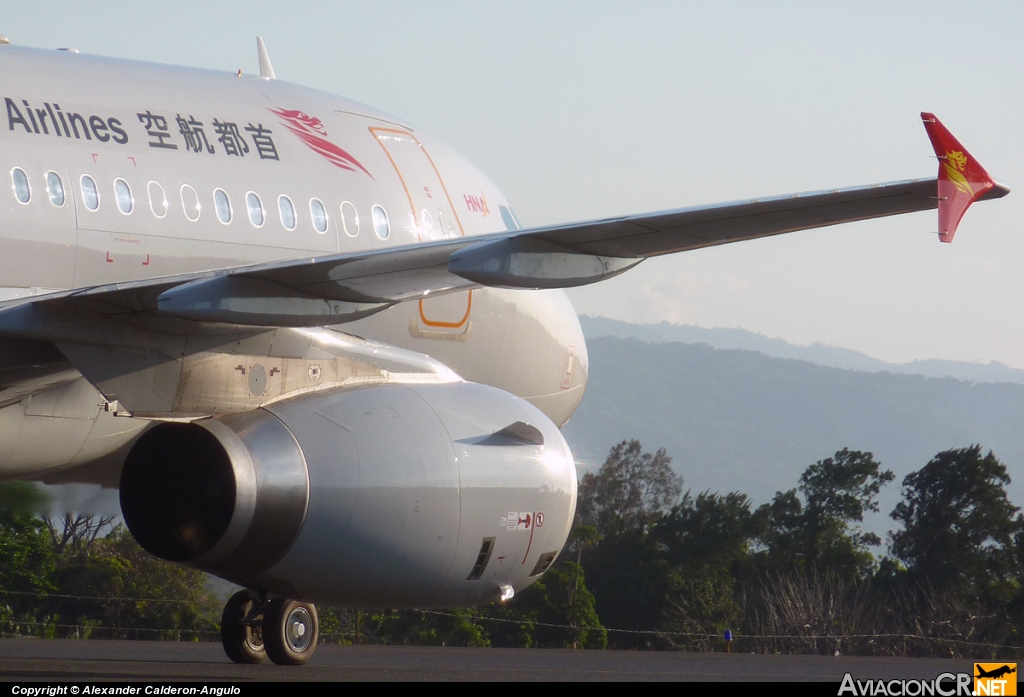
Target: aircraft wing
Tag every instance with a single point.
(342, 287)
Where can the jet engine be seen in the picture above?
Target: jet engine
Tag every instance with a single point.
(395, 495)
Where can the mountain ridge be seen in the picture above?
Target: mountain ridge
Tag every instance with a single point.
(821, 354)
(738, 420)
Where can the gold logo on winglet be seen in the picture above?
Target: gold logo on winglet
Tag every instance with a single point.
(955, 164)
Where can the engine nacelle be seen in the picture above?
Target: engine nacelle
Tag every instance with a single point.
(432, 495)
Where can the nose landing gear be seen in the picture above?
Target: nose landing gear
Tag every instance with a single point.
(253, 628)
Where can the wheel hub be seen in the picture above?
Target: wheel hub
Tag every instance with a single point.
(299, 625)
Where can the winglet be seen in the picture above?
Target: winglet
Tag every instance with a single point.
(962, 181)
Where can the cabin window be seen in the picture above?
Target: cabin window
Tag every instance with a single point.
(287, 210)
(380, 222)
(90, 194)
(223, 205)
(349, 219)
(157, 201)
(21, 188)
(319, 213)
(190, 202)
(255, 206)
(55, 188)
(123, 195)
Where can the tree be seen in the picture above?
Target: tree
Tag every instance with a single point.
(73, 535)
(629, 491)
(26, 571)
(815, 526)
(629, 578)
(27, 498)
(557, 611)
(158, 594)
(959, 527)
(458, 627)
(617, 507)
(118, 590)
(706, 541)
(707, 530)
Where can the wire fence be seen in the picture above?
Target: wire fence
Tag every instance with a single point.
(127, 631)
(737, 635)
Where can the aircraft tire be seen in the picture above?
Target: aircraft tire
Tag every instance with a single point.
(291, 629)
(242, 643)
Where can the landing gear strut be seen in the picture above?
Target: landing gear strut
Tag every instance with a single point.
(241, 635)
(253, 628)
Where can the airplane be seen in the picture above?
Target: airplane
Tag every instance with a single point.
(311, 345)
(995, 672)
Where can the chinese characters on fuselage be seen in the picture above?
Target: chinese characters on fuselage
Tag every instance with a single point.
(182, 132)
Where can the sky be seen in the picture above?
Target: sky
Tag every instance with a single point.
(583, 110)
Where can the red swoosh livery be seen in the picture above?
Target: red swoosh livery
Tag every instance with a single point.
(311, 131)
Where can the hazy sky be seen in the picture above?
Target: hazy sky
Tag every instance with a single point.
(588, 109)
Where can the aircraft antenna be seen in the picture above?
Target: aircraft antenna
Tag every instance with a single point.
(266, 69)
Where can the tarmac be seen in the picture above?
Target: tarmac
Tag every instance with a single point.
(25, 660)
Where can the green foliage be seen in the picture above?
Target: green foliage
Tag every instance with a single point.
(339, 625)
(27, 563)
(709, 531)
(151, 593)
(458, 627)
(699, 605)
(560, 597)
(705, 542)
(628, 577)
(26, 498)
(655, 561)
(673, 570)
(813, 528)
(78, 578)
(959, 527)
(629, 491)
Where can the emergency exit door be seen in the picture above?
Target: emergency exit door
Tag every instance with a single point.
(433, 214)
(433, 217)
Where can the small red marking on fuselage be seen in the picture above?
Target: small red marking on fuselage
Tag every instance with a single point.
(273, 371)
(133, 160)
(146, 262)
(426, 190)
(95, 157)
(240, 368)
(530, 543)
(109, 259)
(477, 204)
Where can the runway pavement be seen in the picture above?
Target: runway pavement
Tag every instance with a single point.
(24, 660)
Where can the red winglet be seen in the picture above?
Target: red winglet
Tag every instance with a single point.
(962, 181)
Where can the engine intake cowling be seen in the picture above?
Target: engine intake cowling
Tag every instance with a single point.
(228, 495)
(383, 496)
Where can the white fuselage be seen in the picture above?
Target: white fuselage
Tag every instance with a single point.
(118, 171)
